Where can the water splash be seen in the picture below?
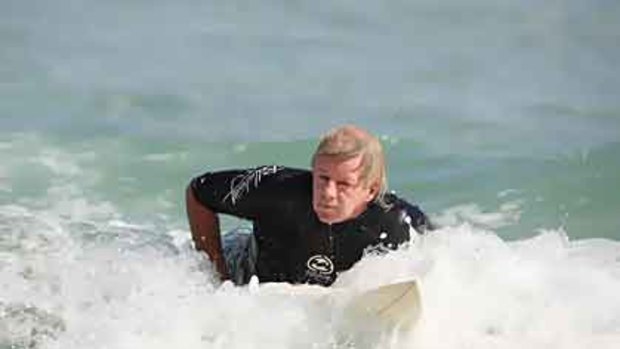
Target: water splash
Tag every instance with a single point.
(121, 285)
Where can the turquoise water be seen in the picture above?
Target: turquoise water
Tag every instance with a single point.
(501, 119)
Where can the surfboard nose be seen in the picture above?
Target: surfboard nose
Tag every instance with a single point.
(395, 305)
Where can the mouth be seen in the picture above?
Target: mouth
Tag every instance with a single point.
(326, 207)
(324, 210)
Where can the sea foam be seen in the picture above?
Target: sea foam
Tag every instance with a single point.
(89, 281)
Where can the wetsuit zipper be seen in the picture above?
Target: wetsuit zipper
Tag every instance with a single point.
(332, 250)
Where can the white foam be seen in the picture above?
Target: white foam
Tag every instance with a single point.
(485, 293)
(508, 214)
(112, 283)
(58, 162)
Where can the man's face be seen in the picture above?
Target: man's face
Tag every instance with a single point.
(338, 193)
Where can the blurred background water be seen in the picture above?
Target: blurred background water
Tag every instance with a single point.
(501, 119)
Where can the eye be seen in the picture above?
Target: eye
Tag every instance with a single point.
(344, 185)
(323, 178)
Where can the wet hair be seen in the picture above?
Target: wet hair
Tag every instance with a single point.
(349, 141)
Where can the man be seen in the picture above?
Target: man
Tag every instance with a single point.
(307, 225)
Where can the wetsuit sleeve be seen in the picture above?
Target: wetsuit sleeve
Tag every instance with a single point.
(243, 193)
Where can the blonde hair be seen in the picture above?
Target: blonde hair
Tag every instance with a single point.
(349, 141)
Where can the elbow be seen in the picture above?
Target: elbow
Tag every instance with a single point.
(189, 191)
(194, 206)
(190, 198)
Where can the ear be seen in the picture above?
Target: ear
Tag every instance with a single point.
(373, 190)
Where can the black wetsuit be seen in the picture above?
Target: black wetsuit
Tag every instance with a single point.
(293, 244)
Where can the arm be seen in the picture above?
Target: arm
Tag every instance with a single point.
(243, 193)
(205, 227)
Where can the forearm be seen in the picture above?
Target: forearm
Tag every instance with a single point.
(205, 228)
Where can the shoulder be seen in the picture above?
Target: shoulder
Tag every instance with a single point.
(276, 177)
(268, 178)
(250, 190)
(290, 173)
(254, 176)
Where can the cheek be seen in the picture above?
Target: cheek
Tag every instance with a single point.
(349, 200)
(316, 187)
(357, 198)
(315, 194)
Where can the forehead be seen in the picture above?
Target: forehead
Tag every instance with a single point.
(335, 166)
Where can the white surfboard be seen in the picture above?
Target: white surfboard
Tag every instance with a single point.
(395, 304)
(392, 305)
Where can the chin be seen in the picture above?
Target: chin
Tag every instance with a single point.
(328, 218)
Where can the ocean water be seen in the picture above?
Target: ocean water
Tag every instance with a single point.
(501, 119)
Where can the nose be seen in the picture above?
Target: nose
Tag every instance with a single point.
(329, 190)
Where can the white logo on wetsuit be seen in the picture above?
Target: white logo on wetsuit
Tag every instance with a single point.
(243, 183)
(320, 264)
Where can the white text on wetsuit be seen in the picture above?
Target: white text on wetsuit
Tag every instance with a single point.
(241, 184)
